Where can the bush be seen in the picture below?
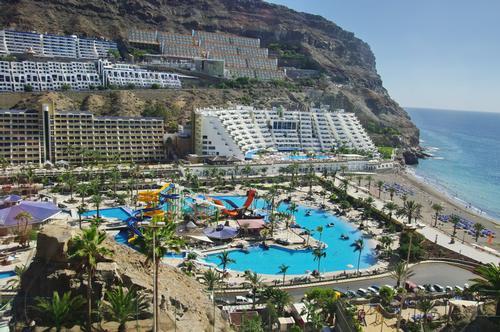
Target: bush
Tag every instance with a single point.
(130, 86)
(91, 87)
(155, 86)
(28, 88)
(65, 87)
(385, 151)
(101, 88)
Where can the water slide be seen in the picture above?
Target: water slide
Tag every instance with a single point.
(236, 211)
(154, 196)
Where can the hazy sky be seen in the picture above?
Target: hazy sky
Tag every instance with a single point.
(430, 53)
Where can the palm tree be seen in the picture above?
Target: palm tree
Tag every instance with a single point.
(408, 210)
(391, 191)
(81, 209)
(319, 229)
(283, 270)
(96, 200)
(488, 282)
(83, 190)
(114, 179)
(425, 306)
(15, 282)
(57, 311)
(358, 245)
(369, 178)
(211, 278)
(478, 228)
(277, 297)
(454, 220)
(123, 305)
(69, 181)
(155, 242)
(225, 260)
(401, 272)
(380, 184)
(359, 178)
(88, 247)
(23, 227)
(319, 253)
(255, 282)
(386, 242)
(438, 208)
(292, 208)
(390, 207)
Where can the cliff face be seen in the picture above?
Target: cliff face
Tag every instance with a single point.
(346, 60)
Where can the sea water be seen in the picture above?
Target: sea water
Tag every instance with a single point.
(466, 155)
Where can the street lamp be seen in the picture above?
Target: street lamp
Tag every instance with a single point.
(410, 229)
(154, 226)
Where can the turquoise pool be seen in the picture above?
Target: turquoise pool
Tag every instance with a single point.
(339, 253)
(116, 212)
(304, 157)
(7, 274)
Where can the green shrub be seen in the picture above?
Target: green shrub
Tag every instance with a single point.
(28, 88)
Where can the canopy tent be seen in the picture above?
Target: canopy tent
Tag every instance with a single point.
(39, 211)
(201, 238)
(251, 224)
(221, 232)
(9, 199)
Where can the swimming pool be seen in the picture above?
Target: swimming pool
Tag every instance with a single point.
(7, 274)
(305, 157)
(116, 212)
(339, 253)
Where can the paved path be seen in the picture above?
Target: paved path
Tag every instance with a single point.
(430, 233)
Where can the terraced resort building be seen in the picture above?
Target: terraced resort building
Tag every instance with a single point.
(31, 136)
(241, 130)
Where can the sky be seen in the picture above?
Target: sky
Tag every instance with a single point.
(430, 53)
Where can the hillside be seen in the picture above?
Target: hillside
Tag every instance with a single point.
(303, 40)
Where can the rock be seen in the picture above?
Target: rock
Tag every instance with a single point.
(52, 243)
(410, 157)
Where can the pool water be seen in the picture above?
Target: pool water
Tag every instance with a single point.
(339, 253)
(304, 157)
(7, 274)
(117, 212)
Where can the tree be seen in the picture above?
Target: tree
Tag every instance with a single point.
(252, 324)
(225, 260)
(255, 283)
(58, 311)
(408, 210)
(380, 184)
(391, 191)
(390, 207)
(425, 306)
(386, 295)
(69, 181)
(488, 283)
(283, 270)
(88, 248)
(478, 228)
(454, 220)
(15, 282)
(81, 209)
(324, 300)
(23, 227)
(123, 305)
(96, 200)
(83, 190)
(211, 278)
(114, 178)
(319, 229)
(369, 178)
(155, 242)
(438, 208)
(386, 242)
(318, 253)
(358, 245)
(277, 297)
(401, 272)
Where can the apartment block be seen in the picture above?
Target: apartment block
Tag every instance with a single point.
(121, 74)
(240, 130)
(54, 46)
(76, 136)
(242, 56)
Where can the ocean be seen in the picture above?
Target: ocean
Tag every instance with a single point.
(466, 155)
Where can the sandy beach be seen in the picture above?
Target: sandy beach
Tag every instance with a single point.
(427, 195)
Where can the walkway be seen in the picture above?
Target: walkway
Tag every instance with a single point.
(430, 233)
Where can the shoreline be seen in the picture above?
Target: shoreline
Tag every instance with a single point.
(441, 189)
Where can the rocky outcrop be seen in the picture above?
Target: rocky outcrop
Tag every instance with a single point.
(52, 271)
(347, 61)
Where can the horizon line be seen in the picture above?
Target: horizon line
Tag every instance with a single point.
(449, 109)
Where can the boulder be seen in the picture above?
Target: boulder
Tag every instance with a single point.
(410, 157)
(52, 243)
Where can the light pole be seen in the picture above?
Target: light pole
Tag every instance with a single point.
(154, 226)
(410, 230)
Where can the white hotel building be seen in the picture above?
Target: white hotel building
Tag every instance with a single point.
(54, 46)
(240, 130)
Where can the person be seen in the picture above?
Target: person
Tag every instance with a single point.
(163, 303)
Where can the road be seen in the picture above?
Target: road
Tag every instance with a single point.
(428, 273)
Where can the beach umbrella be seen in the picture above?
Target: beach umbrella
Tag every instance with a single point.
(39, 211)
(221, 232)
(10, 199)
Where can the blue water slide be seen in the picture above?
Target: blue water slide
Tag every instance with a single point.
(141, 211)
(132, 225)
(230, 202)
(166, 190)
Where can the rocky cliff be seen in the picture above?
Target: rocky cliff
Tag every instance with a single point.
(347, 61)
(51, 270)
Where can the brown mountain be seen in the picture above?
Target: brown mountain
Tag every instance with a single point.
(300, 39)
